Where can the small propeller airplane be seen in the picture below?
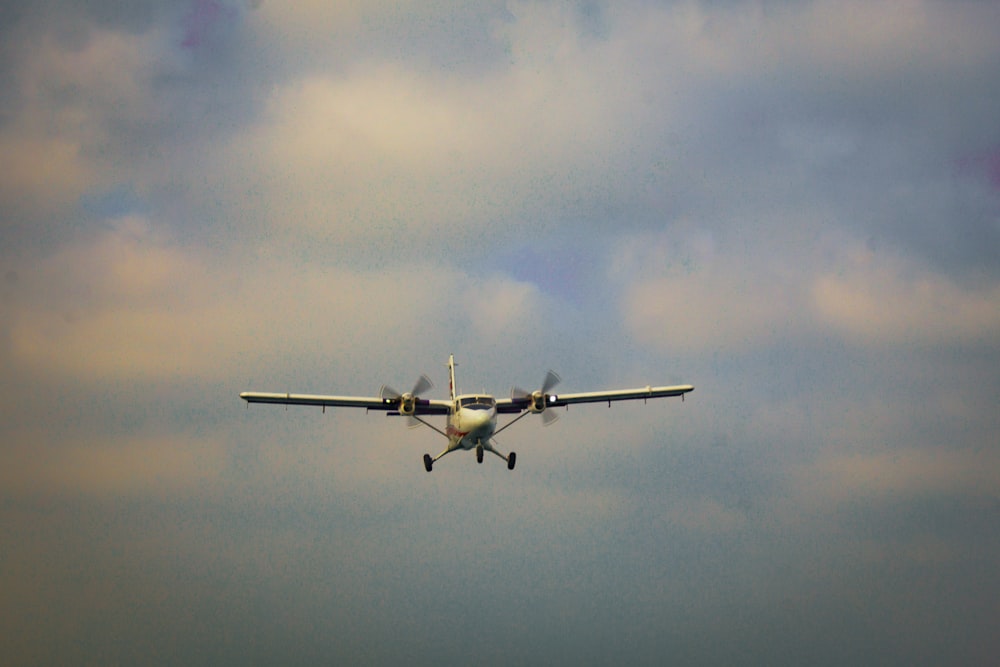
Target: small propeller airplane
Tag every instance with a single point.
(472, 418)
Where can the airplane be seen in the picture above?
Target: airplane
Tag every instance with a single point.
(472, 418)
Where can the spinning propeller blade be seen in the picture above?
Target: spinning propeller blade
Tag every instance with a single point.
(551, 380)
(423, 384)
(549, 417)
(540, 399)
(407, 403)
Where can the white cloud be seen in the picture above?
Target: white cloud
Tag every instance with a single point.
(129, 304)
(684, 291)
(122, 304)
(880, 300)
(387, 151)
(501, 309)
(712, 309)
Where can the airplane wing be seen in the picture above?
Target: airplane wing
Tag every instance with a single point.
(556, 400)
(514, 405)
(422, 406)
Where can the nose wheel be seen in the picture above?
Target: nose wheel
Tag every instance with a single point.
(479, 453)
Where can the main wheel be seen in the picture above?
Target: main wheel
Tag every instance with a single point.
(511, 459)
(479, 454)
(428, 463)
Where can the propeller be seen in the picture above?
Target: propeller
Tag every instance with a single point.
(407, 402)
(539, 399)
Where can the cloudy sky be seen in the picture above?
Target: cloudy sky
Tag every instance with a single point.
(793, 206)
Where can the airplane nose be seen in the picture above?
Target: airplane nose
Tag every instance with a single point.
(479, 420)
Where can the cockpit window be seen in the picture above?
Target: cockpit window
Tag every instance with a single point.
(478, 402)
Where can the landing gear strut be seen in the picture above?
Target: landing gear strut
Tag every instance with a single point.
(481, 448)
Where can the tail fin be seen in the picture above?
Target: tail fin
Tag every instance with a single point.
(451, 376)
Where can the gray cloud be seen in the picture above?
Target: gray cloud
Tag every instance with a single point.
(792, 206)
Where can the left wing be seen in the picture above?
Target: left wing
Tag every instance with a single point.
(511, 405)
(556, 400)
(421, 406)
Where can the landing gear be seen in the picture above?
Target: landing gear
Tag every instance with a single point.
(481, 449)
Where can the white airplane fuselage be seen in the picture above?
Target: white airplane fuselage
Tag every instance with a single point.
(473, 423)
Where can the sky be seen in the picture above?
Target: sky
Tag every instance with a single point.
(793, 206)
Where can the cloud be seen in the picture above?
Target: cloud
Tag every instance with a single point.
(900, 494)
(64, 98)
(46, 175)
(501, 308)
(203, 20)
(879, 300)
(130, 304)
(387, 152)
(684, 289)
(122, 304)
(140, 466)
(865, 40)
(904, 473)
(691, 289)
(712, 310)
(84, 116)
(788, 205)
(311, 21)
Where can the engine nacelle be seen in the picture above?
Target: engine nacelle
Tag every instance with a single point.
(406, 403)
(538, 401)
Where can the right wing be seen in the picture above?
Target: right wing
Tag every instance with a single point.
(423, 406)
